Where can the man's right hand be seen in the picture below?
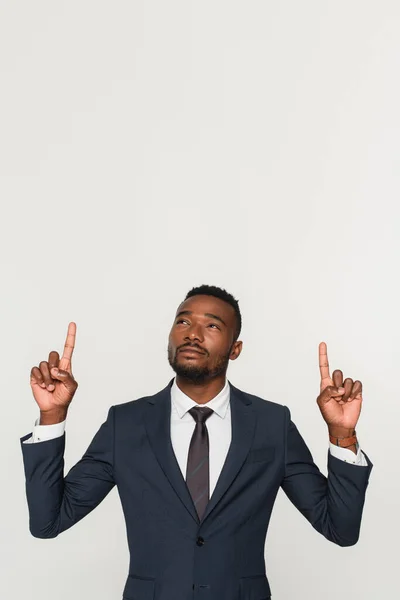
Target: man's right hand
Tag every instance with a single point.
(53, 384)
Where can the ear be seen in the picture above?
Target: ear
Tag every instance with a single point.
(236, 350)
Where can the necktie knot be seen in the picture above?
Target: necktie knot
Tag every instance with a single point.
(201, 413)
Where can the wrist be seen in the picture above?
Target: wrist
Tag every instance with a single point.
(353, 448)
(51, 417)
(340, 432)
(343, 437)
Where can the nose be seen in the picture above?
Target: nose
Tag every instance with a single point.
(194, 333)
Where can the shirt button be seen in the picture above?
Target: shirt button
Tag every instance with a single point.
(200, 541)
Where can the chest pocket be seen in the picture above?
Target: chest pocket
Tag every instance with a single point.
(265, 454)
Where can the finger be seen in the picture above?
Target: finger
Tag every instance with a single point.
(348, 385)
(355, 391)
(44, 369)
(65, 377)
(37, 377)
(65, 362)
(54, 359)
(323, 361)
(337, 378)
(330, 393)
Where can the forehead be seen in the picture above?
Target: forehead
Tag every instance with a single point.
(201, 304)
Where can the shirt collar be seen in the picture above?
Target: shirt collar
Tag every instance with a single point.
(182, 403)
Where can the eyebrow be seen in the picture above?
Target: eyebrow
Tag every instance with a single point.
(189, 312)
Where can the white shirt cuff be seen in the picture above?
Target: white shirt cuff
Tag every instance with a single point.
(41, 433)
(348, 455)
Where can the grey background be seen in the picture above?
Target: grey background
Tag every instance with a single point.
(150, 146)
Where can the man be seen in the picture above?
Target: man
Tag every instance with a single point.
(197, 465)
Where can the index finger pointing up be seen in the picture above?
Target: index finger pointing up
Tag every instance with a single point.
(323, 361)
(65, 362)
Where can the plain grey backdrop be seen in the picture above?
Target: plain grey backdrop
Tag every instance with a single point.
(150, 146)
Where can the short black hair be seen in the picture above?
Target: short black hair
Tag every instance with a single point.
(213, 290)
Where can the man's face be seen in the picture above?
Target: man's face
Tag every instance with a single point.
(204, 324)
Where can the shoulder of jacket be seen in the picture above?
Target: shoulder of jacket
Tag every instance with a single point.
(136, 404)
(264, 404)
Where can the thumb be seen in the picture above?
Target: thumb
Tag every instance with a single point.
(65, 377)
(330, 392)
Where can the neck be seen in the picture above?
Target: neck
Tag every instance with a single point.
(201, 393)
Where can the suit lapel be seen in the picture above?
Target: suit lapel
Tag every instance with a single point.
(158, 427)
(243, 427)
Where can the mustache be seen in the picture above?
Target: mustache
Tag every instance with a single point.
(191, 346)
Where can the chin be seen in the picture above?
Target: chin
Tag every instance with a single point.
(191, 371)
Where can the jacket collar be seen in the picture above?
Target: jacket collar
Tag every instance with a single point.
(182, 403)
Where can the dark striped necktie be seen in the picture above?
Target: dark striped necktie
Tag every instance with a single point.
(197, 470)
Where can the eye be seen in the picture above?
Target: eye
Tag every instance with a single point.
(214, 325)
(181, 321)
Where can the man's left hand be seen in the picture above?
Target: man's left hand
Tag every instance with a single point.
(339, 403)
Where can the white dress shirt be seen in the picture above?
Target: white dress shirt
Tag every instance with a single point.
(182, 428)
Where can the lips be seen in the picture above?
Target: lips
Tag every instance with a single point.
(188, 349)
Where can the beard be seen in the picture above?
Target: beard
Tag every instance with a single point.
(198, 374)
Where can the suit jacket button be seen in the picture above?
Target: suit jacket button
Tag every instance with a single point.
(200, 541)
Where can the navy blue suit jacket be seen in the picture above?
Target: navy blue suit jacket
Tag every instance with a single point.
(173, 555)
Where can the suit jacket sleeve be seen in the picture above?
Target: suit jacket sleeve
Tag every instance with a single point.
(334, 504)
(55, 502)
